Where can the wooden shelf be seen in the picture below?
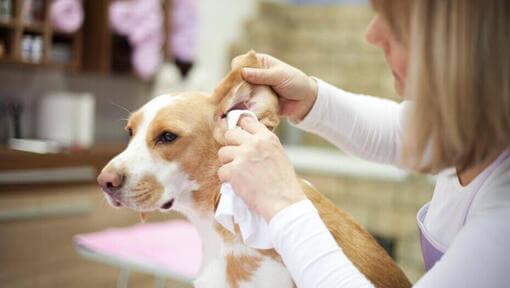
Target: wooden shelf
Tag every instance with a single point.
(9, 24)
(97, 156)
(35, 27)
(64, 34)
(51, 66)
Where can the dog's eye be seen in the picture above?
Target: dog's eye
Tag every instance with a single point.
(167, 137)
(130, 132)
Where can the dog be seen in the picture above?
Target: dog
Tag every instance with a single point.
(171, 162)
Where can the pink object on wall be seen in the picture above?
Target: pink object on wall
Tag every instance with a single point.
(183, 32)
(173, 245)
(121, 17)
(150, 29)
(141, 21)
(66, 15)
(146, 59)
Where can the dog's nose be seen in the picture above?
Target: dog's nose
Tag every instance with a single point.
(110, 182)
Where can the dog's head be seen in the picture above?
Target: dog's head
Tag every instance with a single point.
(171, 159)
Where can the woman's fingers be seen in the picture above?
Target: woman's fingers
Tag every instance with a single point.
(251, 125)
(236, 137)
(224, 173)
(227, 154)
(270, 76)
(267, 61)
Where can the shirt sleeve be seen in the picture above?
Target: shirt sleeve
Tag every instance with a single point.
(310, 252)
(365, 126)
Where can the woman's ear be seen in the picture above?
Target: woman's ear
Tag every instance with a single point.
(233, 93)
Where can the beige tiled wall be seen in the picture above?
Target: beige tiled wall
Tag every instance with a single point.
(324, 41)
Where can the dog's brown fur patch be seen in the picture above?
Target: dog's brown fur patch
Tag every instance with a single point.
(226, 235)
(147, 191)
(271, 253)
(241, 268)
(134, 121)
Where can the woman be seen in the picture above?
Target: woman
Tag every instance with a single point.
(451, 64)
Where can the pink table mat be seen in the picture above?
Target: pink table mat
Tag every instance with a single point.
(174, 245)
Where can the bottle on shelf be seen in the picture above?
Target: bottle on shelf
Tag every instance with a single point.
(32, 48)
(5, 10)
(26, 47)
(36, 50)
(28, 11)
(38, 10)
(61, 53)
(33, 11)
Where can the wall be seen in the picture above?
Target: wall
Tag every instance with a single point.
(220, 24)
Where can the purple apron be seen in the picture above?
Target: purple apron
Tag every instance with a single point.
(431, 249)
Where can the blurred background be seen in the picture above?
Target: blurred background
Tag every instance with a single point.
(72, 70)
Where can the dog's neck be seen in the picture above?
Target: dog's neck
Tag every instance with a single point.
(200, 209)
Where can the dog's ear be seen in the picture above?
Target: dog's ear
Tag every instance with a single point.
(234, 93)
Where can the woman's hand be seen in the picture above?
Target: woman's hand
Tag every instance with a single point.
(296, 90)
(255, 164)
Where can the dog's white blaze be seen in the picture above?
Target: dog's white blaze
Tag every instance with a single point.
(141, 163)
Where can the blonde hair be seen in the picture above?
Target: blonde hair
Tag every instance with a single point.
(458, 77)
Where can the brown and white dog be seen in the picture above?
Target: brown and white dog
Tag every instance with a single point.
(171, 162)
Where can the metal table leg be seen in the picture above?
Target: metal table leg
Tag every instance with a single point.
(122, 281)
(159, 282)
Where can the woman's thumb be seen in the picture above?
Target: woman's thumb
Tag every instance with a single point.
(260, 76)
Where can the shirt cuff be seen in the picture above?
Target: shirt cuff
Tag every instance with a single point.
(316, 114)
(289, 214)
(309, 251)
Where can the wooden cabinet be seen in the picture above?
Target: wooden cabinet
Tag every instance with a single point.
(94, 48)
(18, 35)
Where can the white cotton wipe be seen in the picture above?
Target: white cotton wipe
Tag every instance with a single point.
(231, 208)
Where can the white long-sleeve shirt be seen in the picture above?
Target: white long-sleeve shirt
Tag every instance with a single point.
(478, 255)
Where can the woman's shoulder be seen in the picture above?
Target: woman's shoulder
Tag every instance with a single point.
(494, 194)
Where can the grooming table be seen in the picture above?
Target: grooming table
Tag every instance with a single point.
(166, 250)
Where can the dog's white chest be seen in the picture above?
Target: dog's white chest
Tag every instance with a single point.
(234, 265)
(268, 274)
